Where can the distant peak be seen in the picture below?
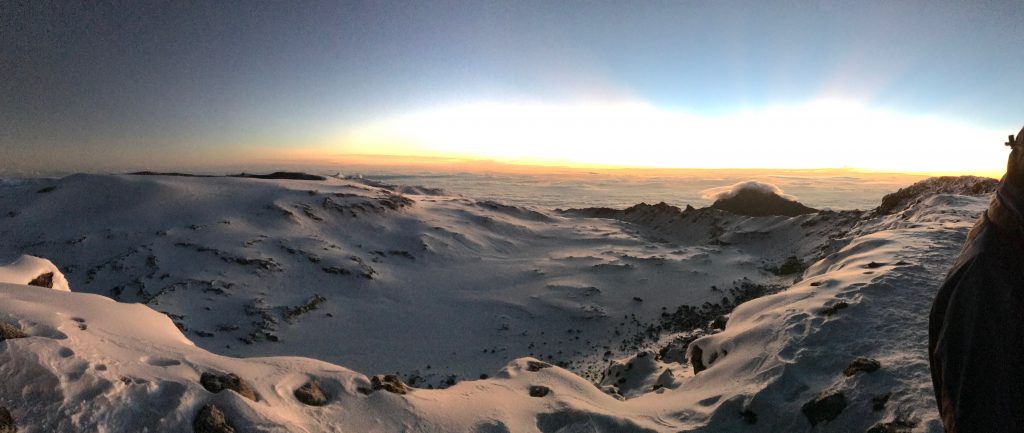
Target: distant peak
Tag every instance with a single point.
(753, 198)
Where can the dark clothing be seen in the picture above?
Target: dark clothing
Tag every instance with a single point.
(976, 327)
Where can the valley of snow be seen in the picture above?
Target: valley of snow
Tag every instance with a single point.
(587, 320)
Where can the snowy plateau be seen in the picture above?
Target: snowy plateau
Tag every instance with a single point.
(158, 303)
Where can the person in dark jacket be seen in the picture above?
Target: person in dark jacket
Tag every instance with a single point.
(976, 326)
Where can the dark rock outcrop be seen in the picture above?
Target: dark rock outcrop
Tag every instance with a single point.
(878, 402)
(539, 391)
(536, 365)
(311, 394)
(866, 365)
(828, 311)
(7, 424)
(961, 185)
(697, 359)
(825, 407)
(754, 202)
(287, 175)
(897, 426)
(792, 265)
(8, 331)
(43, 280)
(211, 420)
(390, 383)
(216, 382)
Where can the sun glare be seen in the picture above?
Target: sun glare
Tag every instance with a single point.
(820, 134)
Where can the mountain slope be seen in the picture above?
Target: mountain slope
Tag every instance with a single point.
(803, 359)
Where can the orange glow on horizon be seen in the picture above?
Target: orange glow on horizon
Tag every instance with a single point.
(628, 135)
(319, 157)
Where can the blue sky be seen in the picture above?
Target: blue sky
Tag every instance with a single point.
(170, 83)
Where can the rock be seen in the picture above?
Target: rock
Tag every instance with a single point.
(7, 421)
(8, 331)
(389, 383)
(215, 383)
(43, 280)
(754, 200)
(720, 321)
(878, 402)
(536, 365)
(539, 391)
(286, 175)
(897, 426)
(825, 407)
(792, 265)
(697, 359)
(311, 394)
(828, 311)
(749, 416)
(962, 185)
(211, 420)
(866, 365)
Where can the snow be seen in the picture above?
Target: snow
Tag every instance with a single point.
(455, 278)
(26, 268)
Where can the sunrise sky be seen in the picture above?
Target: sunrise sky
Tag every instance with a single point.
(876, 85)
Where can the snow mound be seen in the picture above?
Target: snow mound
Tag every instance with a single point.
(93, 364)
(34, 271)
(960, 185)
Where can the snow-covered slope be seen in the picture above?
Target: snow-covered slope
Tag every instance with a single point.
(842, 349)
(433, 286)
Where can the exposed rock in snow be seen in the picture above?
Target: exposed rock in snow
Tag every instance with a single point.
(824, 407)
(858, 365)
(9, 332)
(311, 394)
(390, 383)
(539, 391)
(33, 271)
(210, 419)
(639, 374)
(217, 382)
(960, 185)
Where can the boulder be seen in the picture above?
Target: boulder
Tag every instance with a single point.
(8, 331)
(7, 421)
(211, 420)
(217, 382)
(43, 280)
(825, 407)
(536, 365)
(858, 365)
(390, 383)
(539, 391)
(311, 394)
